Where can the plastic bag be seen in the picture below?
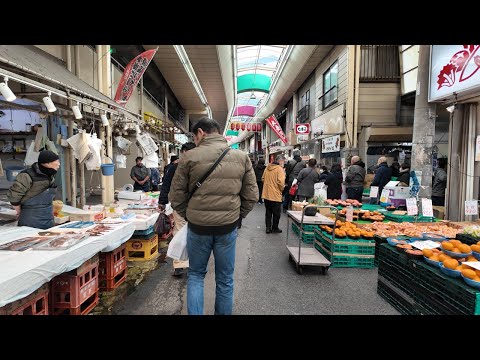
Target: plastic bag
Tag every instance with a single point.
(95, 146)
(162, 225)
(293, 190)
(121, 161)
(320, 190)
(50, 145)
(177, 249)
(294, 182)
(31, 156)
(123, 143)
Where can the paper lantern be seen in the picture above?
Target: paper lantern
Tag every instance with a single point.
(249, 127)
(237, 126)
(232, 126)
(243, 126)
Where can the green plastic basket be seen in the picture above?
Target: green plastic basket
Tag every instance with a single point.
(347, 261)
(338, 247)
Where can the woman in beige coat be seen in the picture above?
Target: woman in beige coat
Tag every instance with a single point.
(273, 184)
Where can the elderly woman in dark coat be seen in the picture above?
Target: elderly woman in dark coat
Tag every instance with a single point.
(307, 179)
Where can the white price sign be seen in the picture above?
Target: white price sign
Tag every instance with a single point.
(349, 216)
(427, 209)
(473, 264)
(384, 196)
(471, 207)
(373, 191)
(427, 244)
(412, 208)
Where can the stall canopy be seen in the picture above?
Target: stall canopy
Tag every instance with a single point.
(35, 61)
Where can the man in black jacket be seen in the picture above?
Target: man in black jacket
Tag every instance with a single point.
(292, 168)
(383, 175)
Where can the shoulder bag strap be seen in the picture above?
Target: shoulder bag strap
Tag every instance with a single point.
(207, 174)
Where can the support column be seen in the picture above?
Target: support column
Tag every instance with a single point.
(423, 125)
(66, 150)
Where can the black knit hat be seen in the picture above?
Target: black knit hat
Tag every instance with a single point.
(47, 156)
(173, 158)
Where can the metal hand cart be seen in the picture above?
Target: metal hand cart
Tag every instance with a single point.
(308, 256)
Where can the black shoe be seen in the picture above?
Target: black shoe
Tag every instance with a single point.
(268, 231)
(285, 211)
(276, 231)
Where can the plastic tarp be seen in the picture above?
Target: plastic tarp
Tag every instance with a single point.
(22, 272)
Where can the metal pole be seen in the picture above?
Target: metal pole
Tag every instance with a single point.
(66, 151)
(423, 125)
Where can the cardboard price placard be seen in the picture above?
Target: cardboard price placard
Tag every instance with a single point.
(473, 264)
(471, 207)
(412, 208)
(373, 191)
(349, 215)
(427, 209)
(384, 196)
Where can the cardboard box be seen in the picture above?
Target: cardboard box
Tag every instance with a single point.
(87, 216)
(439, 211)
(397, 194)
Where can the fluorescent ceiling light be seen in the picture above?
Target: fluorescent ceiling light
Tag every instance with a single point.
(47, 100)
(7, 93)
(76, 111)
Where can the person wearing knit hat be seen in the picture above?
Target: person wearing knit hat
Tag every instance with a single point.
(34, 190)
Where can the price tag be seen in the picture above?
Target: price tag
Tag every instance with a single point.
(471, 207)
(412, 208)
(373, 191)
(349, 215)
(427, 244)
(473, 264)
(384, 196)
(427, 209)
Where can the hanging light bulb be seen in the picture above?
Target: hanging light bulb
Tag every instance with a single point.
(76, 111)
(5, 90)
(47, 100)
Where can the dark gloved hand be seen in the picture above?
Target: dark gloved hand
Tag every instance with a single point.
(239, 222)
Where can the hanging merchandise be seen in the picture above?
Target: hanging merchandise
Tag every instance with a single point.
(32, 155)
(249, 127)
(232, 126)
(79, 144)
(243, 127)
(259, 127)
(95, 145)
(237, 126)
(150, 161)
(147, 144)
(123, 143)
(121, 161)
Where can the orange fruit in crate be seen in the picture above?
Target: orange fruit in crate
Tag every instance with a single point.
(477, 272)
(471, 258)
(427, 252)
(436, 250)
(459, 268)
(456, 250)
(475, 248)
(434, 258)
(443, 257)
(447, 246)
(456, 243)
(464, 249)
(468, 273)
(476, 278)
(450, 264)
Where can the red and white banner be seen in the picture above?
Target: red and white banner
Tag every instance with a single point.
(131, 76)
(275, 126)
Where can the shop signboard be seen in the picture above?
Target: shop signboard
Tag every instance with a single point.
(275, 126)
(331, 144)
(302, 129)
(471, 207)
(302, 138)
(329, 123)
(453, 71)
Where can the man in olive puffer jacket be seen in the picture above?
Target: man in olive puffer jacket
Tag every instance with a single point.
(214, 212)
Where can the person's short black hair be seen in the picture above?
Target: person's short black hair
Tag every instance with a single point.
(208, 125)
(138, 158)
(188, 146)
(336, 167)
(312, 162)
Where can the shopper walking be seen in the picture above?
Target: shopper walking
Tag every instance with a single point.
(273, 184)
(213, 211)
(334, 182)
(141, 175)
(259, 169)
(292, 168)
(155, 179)
(33, 191)
(439, 183)
(307, 178)
(355, 178)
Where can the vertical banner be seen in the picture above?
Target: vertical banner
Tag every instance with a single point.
(131, 76)
(275, 126)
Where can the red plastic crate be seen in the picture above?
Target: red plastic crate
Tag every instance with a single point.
(34, 304)
(77, 290)
(113, 268)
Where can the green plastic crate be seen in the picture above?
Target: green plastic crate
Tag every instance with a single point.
(319, 234)
(347, 261)
(340, 247)
(401, 302)
(307, 237)
(408, 218)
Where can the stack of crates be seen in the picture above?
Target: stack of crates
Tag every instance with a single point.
(113, 268)
(75, 292)
(143, 245)
(308, 234)
(34, 304)
(356, 253)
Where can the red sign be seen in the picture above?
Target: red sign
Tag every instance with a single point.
(275, 126)
(302, 129)
(131, 76)
(457, 66)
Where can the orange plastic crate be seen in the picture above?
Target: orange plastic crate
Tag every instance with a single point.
(34, 304)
